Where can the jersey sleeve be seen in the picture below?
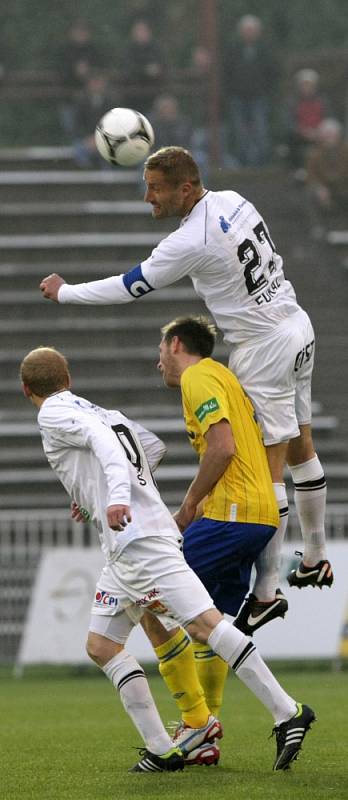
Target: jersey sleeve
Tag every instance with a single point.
(76, 430)
(154, 448)
(103, 292)
(205, 399)
(170, 261)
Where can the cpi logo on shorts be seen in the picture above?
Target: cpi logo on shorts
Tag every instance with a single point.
(105, 599)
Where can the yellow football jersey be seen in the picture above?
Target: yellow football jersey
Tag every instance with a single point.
(244, 493)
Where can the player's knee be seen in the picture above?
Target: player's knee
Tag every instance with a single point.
(95, 648)
(198, 633)
(202, 626)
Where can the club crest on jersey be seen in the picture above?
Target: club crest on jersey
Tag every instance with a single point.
(206, 408)
(224, 225)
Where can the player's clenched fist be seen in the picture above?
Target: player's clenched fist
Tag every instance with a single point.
(51, 285)
(118, 517)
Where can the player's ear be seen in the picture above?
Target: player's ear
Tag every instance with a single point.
(26, 390)
(175, 344)
(186, 188)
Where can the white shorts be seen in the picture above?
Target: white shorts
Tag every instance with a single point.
(276, 373)
(151, 573)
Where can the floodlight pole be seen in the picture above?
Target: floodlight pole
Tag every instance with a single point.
(210, 40)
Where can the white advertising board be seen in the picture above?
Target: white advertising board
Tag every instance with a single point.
(58, 616)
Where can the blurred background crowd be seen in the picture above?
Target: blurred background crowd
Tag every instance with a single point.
(238, 89)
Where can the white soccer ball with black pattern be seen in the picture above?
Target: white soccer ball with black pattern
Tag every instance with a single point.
(124, 137)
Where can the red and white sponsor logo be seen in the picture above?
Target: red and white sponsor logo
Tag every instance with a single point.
(144, 601)
(105, 599)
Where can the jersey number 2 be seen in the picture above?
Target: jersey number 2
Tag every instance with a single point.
(250, 258)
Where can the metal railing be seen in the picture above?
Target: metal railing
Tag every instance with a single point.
(24, 534)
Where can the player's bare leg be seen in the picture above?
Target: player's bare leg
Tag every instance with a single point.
(310, 501)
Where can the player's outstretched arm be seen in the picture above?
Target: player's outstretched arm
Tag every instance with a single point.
(101, 292)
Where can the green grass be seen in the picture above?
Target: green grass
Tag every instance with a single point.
(66, 736)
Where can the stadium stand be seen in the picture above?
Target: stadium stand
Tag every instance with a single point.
(88, 225)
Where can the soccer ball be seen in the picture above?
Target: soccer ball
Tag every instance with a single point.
(124, 137)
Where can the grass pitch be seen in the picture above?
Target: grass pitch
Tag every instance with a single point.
(65, 736)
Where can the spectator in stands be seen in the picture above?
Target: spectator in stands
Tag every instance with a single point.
(79, 56)
(90, 104)
(197, 72)
(305, 109)
(77, 59)
(169, 123)
(143, 67)
(249, 79)
(327, 178)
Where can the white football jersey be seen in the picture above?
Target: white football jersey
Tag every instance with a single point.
(224, 246)
(99, 457)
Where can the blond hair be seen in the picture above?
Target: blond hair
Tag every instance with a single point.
(44, 371)
(177, 165)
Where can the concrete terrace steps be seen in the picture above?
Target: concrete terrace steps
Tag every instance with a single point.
(55, 217)
(69, 177)
(30, 157)
(53, 241)
(63, 331)
(27, 274)
(11, 456)
(39, 487)
(167, 472)
(33, 499)
(87, 245)
(52, 185)
(142, 360)
(22, 450)
(68, 209)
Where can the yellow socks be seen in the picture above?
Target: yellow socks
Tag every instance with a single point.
(212, 672)
(178, 669)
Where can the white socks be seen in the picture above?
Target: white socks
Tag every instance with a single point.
(129, 678)
(310, 501)
(241, 654)
(268, 562)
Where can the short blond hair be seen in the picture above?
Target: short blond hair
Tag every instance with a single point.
(44, 371)
(177, 165)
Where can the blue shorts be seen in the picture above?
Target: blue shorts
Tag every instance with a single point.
(222, 555)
